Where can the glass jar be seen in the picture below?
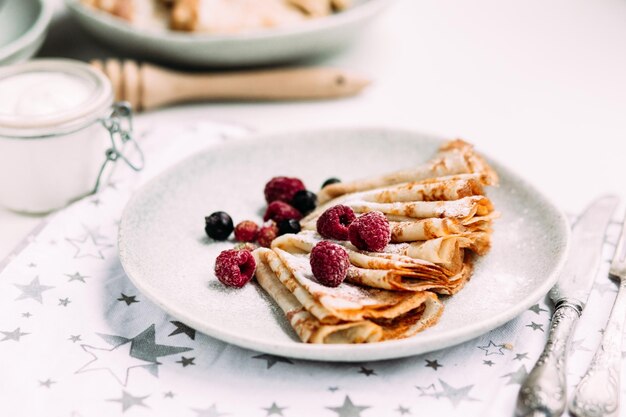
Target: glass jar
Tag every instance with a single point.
(60, 132)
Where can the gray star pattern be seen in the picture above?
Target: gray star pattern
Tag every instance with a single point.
(186, 361)
(14, 335)
(426, 390)
(492, 349)
(183, 328)
(488, 363)
(535, 326)
(403, 410)
(517, 377)
(47, 383)
(64, 301)
(348, 408)
(272, 360)
(455, 395)
(75, 338)
(32, 290)
(520, 356)
(208, 412)
(76, 277)
(274, 409)
(333, 389)
(168, 394)
(88, 247)
(128, 400)
(537, 309)
(367, 372)
(26, 315)
(128, 299)
(145, 347)
(433, 364)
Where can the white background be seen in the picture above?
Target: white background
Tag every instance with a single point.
(539, 85)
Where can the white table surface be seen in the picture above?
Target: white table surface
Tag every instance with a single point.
(540, 86)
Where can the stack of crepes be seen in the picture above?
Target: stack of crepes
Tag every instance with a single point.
(440, 220)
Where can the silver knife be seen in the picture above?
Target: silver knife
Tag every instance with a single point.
(544, 393)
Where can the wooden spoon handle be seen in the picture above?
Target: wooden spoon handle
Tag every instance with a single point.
(148, 86)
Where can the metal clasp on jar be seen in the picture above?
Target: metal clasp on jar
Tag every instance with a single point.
(120, 127)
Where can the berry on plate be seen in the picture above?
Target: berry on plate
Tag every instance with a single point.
(288, 226)
(330, 181)
(370, 232)
(235, 268)
(305, 201)
(282, 189)
(246, 231)
(267, 234)
(218, 225)
(330, 263)
(334, 222)
(279, 210)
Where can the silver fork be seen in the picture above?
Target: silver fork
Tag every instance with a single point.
(597, 394)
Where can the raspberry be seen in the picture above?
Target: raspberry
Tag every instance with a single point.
(234, 268)
(282, 189)
(246, 231)
(279, 210)
(370, 232)
(330, 263)
(334, 222)
(267, 234)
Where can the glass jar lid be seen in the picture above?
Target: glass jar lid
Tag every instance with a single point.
(48, 97)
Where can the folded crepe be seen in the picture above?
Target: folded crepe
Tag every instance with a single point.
(454, 157)
(345, 314)
(432, 228)
(439, 266)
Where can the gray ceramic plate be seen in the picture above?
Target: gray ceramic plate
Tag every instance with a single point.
(165, 253)
(279, 45)
(23, 26)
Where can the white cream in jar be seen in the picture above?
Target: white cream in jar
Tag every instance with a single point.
(42, 93)
(53, 141)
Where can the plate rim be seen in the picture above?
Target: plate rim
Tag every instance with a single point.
(359, 352)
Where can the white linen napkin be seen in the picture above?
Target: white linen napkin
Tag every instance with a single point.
(78, 339)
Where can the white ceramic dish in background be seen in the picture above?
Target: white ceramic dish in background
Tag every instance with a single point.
(271, 46)
(165, 253)
(23, 27)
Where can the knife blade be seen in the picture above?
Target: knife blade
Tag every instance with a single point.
(544, 391)
(578, 274)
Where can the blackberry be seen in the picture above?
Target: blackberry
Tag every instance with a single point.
(218, 225)
(331, 181)
(305, 201)
(288, 226)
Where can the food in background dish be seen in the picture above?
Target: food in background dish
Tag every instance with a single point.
(217, 16)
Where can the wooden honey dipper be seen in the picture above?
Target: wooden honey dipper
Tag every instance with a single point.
(148, 86)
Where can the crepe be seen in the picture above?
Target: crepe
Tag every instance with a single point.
(439, 265)
(454, 157)
(432, 228)
(308, 328)
(345, 314)
(439, 220)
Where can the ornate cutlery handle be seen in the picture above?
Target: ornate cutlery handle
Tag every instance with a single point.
(597, 394)
(544, 393)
